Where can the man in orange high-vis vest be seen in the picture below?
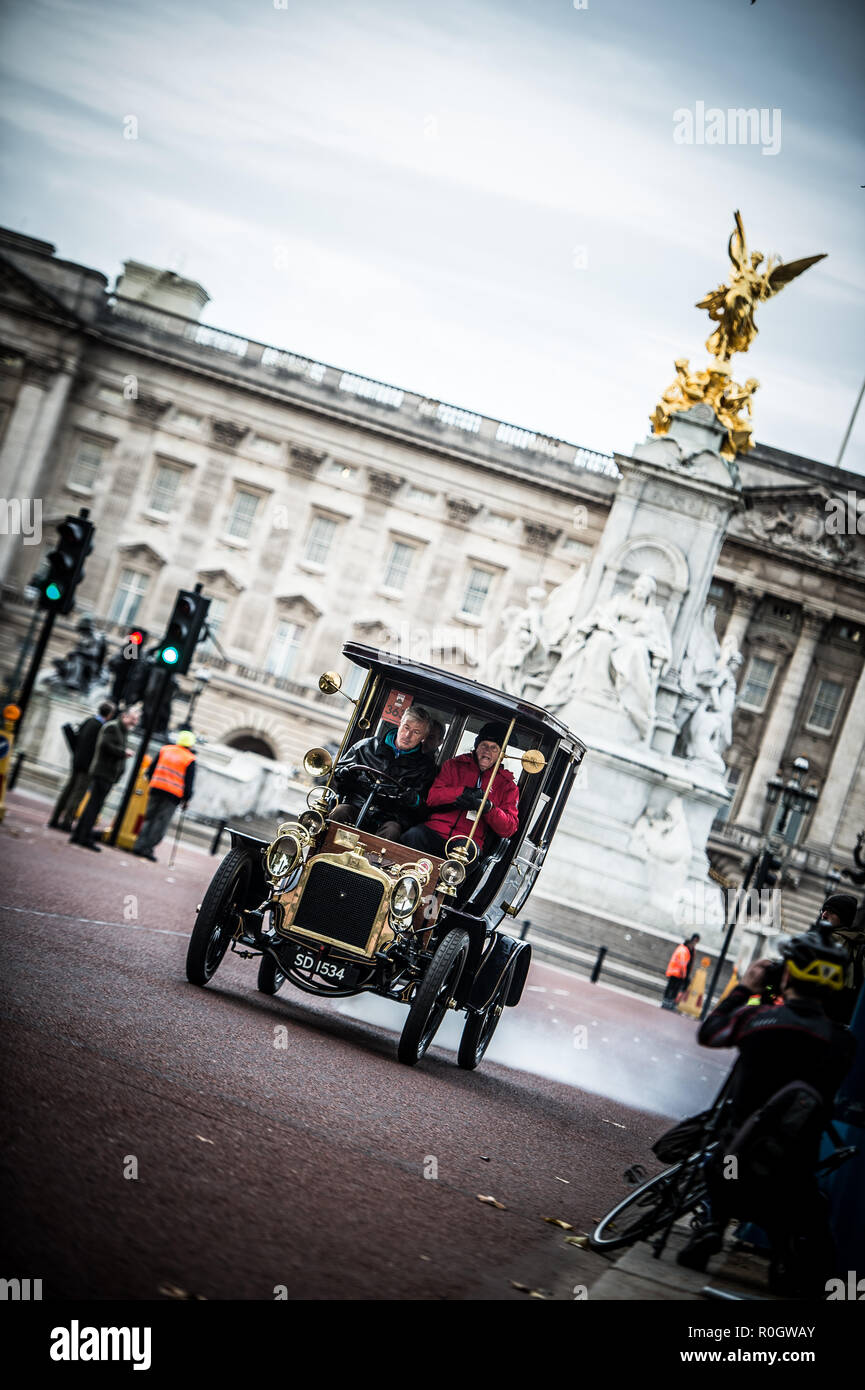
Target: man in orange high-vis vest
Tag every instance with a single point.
(171, 781)
(679, 970)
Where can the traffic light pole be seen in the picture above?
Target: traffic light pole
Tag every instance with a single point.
(719, 963)
(33, 669)
(146, 735)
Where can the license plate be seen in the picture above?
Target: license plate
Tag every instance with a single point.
(337, 972)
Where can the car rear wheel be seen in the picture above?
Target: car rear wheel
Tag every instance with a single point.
(218, 917)
(270, 977)
(479, 1028)
(433, 995)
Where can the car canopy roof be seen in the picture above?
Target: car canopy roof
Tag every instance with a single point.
(437, 686)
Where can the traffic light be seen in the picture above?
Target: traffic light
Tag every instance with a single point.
(129, 668)
(768, 869)
(64, 566)
(176, 649)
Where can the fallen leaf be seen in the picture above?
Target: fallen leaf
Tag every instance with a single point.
(172, 1291)
(485, 1158)
(613, 1122)
(567, 1180)
(581, 1241)
(203, 1140)
(554, 1221)
(524, 1288)
(491, 1202)
(536, 1293)
(428, 1258)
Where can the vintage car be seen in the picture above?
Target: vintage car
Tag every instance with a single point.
(338, 910)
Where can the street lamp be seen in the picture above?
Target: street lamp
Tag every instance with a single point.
(792, 794)
(833, 881)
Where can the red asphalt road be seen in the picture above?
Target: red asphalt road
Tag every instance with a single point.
(262, 1165)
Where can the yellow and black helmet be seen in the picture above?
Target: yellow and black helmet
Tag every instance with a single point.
(815, 959)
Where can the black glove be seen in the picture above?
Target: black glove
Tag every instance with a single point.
(395, 796)
(470, 799)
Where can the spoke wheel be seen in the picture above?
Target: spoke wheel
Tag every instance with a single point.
(678, 1190)
(270, 977)
(479, 1028)
(217, 917)
(432, 997)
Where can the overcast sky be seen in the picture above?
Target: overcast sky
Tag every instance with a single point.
(482, 202)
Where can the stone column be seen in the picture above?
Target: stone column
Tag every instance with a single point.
(744, 604)
(38, 407)
(781, 719)
(842, 772)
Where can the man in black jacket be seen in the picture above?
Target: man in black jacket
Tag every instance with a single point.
(400, 799)
(788, 1044)
(85, 745)
(106, 768)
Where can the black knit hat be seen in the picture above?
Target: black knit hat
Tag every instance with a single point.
(843, 905)
(492, 733)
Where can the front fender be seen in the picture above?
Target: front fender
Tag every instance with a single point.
(504, 953)
(254, 846)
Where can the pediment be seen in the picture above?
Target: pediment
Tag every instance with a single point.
(142, 552)
(19, 290)
(219, 579)
(297, 606)
(812, 521)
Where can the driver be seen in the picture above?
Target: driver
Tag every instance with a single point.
(456, 794)
(408, 773)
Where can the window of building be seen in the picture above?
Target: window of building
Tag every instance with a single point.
(111, 395)
(164, 491)
(242, 515)
(398, 565)
(497, 521)
(717, 589)
(849, 632)
(127, 599)
(88, 461)
(320, 539)
(419, 496)
(477, 592)
(757, 683)
(215, 621)
(343, 471)
(270, 447)
(283, 650)
(185, 421)
(827, 703)
(734, 777)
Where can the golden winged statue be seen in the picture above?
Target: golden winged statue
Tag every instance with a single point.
(732, 306)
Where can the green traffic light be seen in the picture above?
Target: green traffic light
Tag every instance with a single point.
(53, 592)
(170, 655)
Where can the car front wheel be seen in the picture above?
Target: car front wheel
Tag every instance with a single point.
(479, 1028)
(432, 997)
(270, 977)
(218, 917)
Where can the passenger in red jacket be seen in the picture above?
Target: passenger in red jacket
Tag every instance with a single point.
(457, 792)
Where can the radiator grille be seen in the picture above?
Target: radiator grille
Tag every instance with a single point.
(339, 903)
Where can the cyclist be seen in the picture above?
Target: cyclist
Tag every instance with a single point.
(792, 1059)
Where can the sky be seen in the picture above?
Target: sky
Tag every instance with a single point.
(482, 202)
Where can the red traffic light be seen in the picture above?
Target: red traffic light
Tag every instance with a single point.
(136, 638)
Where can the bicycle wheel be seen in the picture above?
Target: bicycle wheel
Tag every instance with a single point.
(670, 1194)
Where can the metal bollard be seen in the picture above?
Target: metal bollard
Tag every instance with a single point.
(598, 965)
(525, 929)
(15, 771)
(214, 844)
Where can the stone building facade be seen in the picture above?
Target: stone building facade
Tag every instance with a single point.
(316, 505)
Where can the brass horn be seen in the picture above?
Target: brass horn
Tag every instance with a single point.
(330, 682)
(318, 762)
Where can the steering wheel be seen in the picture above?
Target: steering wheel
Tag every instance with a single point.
(373, 771)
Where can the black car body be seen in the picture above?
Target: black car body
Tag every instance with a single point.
(337, 910)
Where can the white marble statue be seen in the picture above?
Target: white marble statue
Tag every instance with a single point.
(664, 842)
(709, 676)
(619, 648)
(522, 662)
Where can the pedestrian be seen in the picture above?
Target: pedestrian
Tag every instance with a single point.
(75, 787)
(679, 971)
(172, 777)
(106, 768)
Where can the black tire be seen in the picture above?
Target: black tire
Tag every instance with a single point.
(677, 1190)
(430, 1002)
(479, 1028)
(217, 917)
(270, 977)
